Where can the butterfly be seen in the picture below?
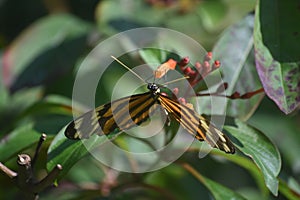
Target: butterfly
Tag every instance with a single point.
(131, 111)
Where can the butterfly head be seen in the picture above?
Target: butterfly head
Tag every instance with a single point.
(153, 88)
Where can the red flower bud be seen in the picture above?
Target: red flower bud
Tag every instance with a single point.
(183, 62)
(175, 91)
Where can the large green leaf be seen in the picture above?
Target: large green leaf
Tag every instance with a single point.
(276, 41)
(14, 105)
(49, 114)
(285, 134)
(45, 51)
(256, 145)
(68, 152)
(51, 104)
(17, 140)
(249, 166)
(113, 18)
(219, 14)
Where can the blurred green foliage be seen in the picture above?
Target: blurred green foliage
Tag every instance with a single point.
(44, 43)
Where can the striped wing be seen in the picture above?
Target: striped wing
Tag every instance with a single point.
(119, 115)
(196, 124)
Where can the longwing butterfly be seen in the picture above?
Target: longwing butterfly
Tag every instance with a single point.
(114, 116)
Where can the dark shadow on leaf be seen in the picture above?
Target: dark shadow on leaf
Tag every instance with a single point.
(51, 65)
(63, 146)
(124, 24)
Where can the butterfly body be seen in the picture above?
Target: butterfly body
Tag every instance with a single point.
(113, 117)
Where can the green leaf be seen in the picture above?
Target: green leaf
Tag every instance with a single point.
(276, 51)
(288, 145)
(173, 179)
(112, 18)
(257, 146)
(218, 14)
(49, 114)
(288, 191)
(248, 165)
(52, 104)
(17, 140)
(21, 100)
(45, 51)
(277, 21)
(219, 191)
(3, 91)
(235, 52)
(294, 185)
(15, 105)
(68, 152)
(209, 18)
(153, 56)
(212, 14)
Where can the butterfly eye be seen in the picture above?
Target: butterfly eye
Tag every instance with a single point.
(152, 87)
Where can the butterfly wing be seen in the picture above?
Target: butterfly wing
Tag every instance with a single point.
(127, 112)
(196, 124)
(119, 115)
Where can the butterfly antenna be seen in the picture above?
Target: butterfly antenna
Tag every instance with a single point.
(154, 76)
(179, 79)
(116, 59)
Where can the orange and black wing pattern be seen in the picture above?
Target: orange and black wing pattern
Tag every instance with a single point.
(196, 124)
(128, 112)
(119, 115)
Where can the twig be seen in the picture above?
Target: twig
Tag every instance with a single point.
(48, 180)
(193, 171)
(24, 177)
(38, 149)
(235, 95)
(11, 174)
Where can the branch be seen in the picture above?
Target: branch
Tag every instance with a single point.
(24, 177)
(48, 180)
(235, 95)
(11, 174)
(38, 149)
